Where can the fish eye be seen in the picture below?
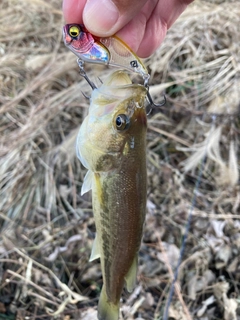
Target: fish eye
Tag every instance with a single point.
(74, 31)
(122, 122)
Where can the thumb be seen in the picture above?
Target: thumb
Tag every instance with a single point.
(105, 17)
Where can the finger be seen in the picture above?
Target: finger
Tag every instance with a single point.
(105, 17)
(72, 10)
(154, 34)
(129, 35)
(169, 11)
(144, 37)
(134, 32)
(161, 19)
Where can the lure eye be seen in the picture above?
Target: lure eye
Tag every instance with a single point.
(74, 31)
(122, 122)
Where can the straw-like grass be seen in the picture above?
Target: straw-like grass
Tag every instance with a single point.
(47, 228)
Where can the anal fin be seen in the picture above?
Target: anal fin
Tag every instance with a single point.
(95, 254)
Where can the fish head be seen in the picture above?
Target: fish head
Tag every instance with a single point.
(115, 125)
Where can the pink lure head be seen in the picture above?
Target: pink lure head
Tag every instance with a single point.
(77, 38)
(84, 44)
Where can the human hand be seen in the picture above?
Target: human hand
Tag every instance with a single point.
(142, 24)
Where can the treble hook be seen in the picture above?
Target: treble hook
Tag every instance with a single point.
(149, 97)
(84, 75)
(155, 105)
(152, 104)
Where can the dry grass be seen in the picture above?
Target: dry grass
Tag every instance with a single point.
(193, 171)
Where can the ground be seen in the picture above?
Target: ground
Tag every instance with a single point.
(192, 230)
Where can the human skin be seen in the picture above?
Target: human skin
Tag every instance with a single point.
(142, 24)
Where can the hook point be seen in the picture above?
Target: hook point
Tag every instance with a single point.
(85, 96)
(156, 105)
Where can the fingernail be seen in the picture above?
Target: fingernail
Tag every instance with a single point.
(100, 16)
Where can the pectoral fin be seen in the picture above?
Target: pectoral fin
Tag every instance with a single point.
(132, 275)
(95, 254)
(87, 182)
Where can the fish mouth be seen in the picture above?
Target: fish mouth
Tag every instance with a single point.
(118, 78)
(118, 86)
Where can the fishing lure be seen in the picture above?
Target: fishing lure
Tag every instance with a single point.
(111, 50)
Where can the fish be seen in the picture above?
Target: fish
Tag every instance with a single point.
(111, 144)
(102, 50)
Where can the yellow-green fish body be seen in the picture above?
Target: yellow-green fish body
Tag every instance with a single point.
(112, 145)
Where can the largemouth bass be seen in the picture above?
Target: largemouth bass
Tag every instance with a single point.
(111, 144)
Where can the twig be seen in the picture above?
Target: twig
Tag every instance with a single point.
(170, 135)
(176, 284)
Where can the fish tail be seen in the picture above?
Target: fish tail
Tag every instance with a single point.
(107, 310)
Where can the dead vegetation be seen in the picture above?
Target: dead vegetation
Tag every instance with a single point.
(47, 228)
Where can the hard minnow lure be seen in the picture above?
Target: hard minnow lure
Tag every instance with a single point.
(111, 50)
(111, 144)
